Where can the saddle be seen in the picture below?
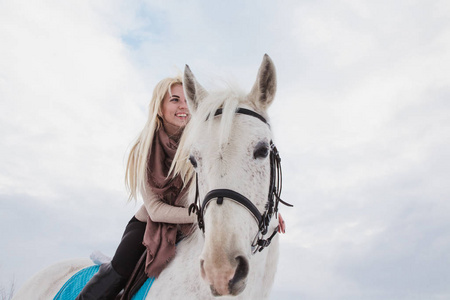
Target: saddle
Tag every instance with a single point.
(136, 288)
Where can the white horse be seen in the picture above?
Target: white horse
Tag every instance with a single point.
(229, 143)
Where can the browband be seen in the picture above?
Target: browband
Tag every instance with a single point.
(244, 111)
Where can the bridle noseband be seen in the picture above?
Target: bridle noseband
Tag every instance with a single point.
(263, 220)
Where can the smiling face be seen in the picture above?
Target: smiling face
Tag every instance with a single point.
(174, 110)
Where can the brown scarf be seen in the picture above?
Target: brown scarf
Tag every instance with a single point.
(160, 238)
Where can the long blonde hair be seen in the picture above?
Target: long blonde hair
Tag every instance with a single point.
(135, 175)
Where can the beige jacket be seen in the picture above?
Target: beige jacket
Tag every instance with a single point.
(158, 211)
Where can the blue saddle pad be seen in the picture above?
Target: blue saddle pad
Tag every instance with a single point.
(75, 284)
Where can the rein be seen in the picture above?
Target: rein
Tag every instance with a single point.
(263, 220)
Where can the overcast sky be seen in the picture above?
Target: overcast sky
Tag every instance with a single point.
(361, 118)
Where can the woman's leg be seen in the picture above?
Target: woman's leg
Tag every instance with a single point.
(130, 248)
(112, 277)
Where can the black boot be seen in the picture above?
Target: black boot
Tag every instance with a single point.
(104, 285)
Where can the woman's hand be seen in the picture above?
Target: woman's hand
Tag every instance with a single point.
(281, 224)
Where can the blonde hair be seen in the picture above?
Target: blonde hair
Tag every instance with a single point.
(136, 172)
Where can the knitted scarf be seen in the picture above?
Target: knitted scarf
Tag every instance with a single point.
(160, 238)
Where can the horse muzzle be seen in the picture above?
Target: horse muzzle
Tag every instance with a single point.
(225, 277)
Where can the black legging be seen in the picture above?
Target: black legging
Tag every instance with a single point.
(130, 248)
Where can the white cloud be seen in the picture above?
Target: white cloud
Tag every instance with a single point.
(364, 145)
(70, 95)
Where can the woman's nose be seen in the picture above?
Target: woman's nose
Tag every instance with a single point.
(183, 104)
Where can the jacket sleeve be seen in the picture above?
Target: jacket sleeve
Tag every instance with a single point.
(159, 211)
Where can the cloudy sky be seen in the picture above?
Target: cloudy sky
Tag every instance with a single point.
(361, 118)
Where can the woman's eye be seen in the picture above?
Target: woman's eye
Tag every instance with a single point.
(261, 150)
(193, 161)
(174, 100)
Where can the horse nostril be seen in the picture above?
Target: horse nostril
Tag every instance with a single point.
(242, 268)
(238, 282)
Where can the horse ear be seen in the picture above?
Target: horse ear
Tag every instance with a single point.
(263, 91)
(193, 91)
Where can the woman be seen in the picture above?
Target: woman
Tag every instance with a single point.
(147, 175)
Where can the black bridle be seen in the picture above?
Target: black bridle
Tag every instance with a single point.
(263, 220)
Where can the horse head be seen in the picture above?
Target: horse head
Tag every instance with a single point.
(229, 143)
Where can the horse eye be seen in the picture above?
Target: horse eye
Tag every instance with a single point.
(193, 161)
(261, 150)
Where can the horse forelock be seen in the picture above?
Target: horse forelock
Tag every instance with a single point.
(203, 118)
(227, 99)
